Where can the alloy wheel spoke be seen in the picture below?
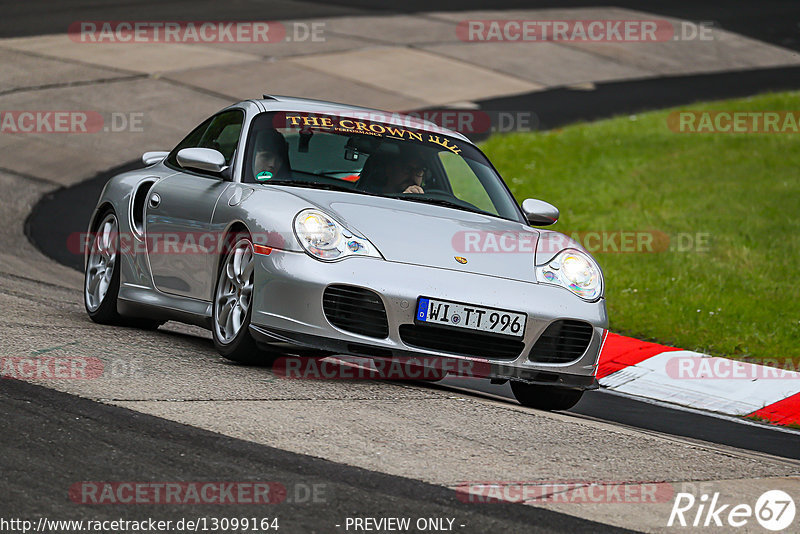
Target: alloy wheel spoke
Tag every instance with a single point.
(222, 314)
(237, 264)
(229, 322)
(247, 271)
(102, 288)
(224, 301)
(230, 272)
(247, 289)
(94, 281)
(107, 229)
(236, 319)
(98, 245)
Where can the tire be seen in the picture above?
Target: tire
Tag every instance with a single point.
(101, 304)
(101, 275)
(545, 397)
(232, 304)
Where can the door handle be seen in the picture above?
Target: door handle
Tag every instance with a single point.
(155, 200)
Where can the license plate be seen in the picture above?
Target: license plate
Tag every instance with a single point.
(469, 317)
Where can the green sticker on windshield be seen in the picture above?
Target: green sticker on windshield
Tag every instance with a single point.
(263, 176)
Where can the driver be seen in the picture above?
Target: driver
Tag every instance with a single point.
(404, 175)
(387, 173)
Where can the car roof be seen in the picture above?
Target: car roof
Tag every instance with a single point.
(311, 105)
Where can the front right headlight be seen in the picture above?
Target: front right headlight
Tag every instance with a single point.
(573, 270)
(328, 240)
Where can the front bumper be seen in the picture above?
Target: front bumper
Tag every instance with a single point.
(288, 311)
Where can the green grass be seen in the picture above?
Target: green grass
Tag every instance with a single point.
(740, 297)
(757, 419)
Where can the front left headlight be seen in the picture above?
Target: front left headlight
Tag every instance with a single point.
(328, 240)
(573, 270)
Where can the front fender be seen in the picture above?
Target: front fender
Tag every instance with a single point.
(267, 212)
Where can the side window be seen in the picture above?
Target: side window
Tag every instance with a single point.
(227, 139)
(190, 141)
(223, 133)
(220, 132)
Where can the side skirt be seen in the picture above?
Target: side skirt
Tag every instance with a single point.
(145, 303)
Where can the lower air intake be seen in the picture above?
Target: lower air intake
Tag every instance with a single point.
(355, 310)
(562, 341)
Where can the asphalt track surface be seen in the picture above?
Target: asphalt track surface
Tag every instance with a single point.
(772, 21)
(74, 439)
(66, 212)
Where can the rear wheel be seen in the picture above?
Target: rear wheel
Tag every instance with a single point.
(101, 281)
(232, 307)
(545, 397)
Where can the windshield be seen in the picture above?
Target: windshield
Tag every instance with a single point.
(373, 158)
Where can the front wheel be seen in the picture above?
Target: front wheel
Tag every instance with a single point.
(545, 397)
(232, 307)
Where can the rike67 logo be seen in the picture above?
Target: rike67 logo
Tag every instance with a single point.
(774, 510)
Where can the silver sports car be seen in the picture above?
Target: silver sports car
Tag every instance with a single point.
(287, 224)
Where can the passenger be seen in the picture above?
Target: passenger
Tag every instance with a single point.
(271, 158)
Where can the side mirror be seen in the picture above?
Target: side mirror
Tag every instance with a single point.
(202, 159)
(539, 212)
(149, 158)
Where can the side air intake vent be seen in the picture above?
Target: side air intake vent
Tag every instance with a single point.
(137, 206)
(562, 342)
(356, 310)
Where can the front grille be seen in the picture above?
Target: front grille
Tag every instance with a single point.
(356, 310)
(561, 342)
(461, 342)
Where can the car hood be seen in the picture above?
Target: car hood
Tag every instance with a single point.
(435, 236)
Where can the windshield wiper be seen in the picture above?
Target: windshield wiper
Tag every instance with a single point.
(438, 202)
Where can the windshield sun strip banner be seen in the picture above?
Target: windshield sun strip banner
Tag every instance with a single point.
(353, 125)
